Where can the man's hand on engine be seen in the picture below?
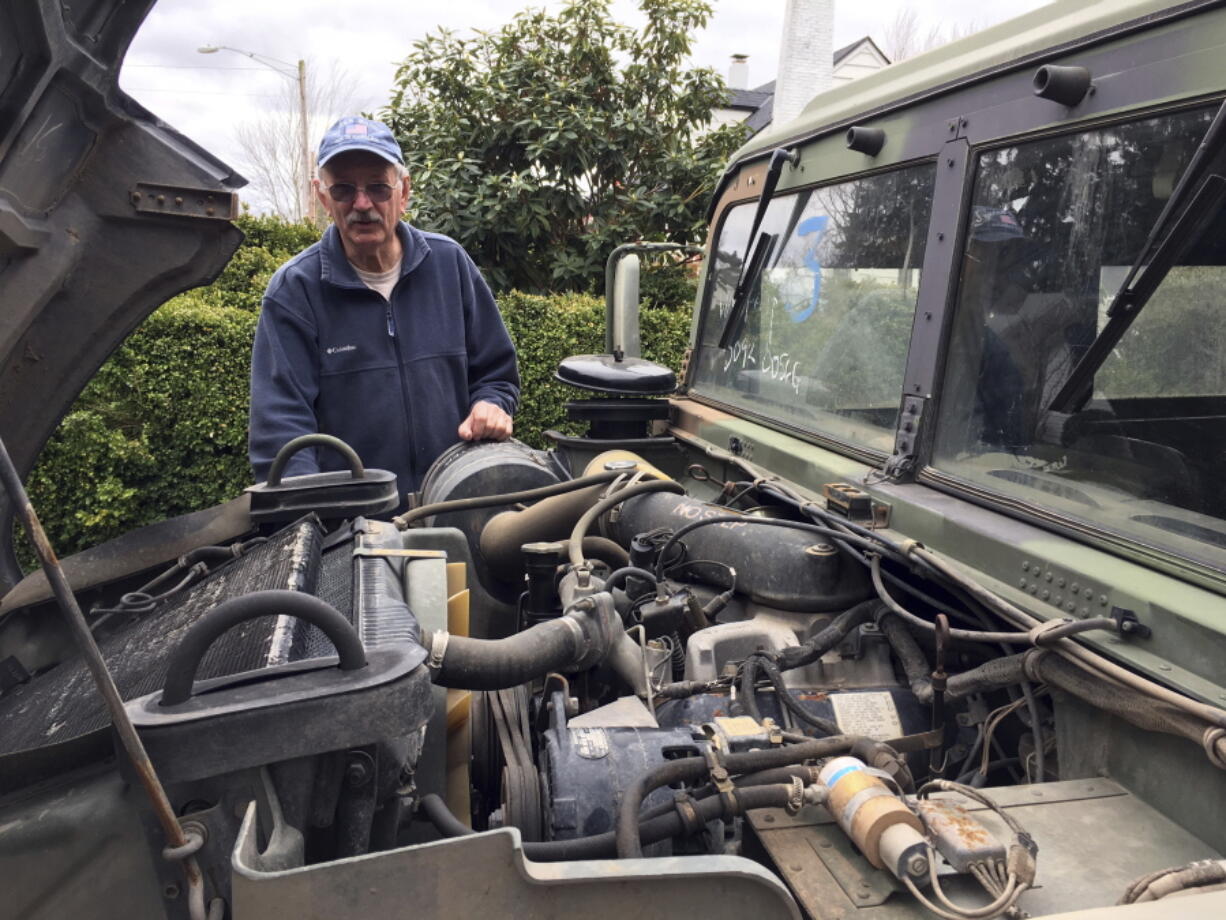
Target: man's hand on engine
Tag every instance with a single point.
(486, 422)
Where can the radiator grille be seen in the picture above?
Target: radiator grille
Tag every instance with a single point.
(64, 703)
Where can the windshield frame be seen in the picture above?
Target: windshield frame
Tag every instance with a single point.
(706, 315)
(1165, 556)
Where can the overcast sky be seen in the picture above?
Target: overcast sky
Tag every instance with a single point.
(208, 97)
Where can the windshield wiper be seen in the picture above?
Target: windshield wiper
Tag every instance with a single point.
(749, 280)
(1186, 212)
(751, 269)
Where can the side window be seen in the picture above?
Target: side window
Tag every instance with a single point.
(1054, 227)
(824, 339)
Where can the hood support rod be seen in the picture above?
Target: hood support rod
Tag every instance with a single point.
(179, 845)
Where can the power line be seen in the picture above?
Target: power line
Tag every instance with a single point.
(198, 92)
(192, 67)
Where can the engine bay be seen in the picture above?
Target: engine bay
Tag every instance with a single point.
(613, 665)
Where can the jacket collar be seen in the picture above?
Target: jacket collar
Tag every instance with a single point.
(337, 270)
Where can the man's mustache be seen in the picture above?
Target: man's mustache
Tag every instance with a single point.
(362, 217)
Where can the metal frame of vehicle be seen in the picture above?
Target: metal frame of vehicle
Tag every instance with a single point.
(1145, 59)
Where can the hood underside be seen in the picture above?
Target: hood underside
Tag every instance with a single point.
(105, 213)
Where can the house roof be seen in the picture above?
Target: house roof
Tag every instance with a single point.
(848, 49)
(759, 101)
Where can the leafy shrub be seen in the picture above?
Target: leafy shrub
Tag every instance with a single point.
(161, 430)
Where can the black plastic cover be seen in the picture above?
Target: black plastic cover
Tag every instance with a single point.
(332, 496)
(621, 377)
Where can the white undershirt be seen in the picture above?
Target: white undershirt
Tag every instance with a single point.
(383, 282)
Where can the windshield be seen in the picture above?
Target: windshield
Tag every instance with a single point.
(1054, 227)
(823, 341)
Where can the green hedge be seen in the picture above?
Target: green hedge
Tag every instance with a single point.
(162, 428)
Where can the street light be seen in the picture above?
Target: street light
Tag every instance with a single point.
(288, 70)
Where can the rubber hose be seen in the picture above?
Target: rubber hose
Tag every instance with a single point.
(498, 664)
(617, 579)
(1132, 705)
(817, 646)
(404, 521)
(548, 521)
(589, 517)
(991, 675)
(613, 554)
(663, 823)
(690, 768)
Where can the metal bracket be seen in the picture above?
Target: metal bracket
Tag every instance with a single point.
(151, 198)
(901, 464)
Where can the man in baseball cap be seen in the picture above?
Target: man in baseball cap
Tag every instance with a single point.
(380, 334)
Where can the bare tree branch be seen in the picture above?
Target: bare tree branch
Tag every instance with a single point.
(272, 143)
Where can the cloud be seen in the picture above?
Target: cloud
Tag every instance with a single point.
(208, 96)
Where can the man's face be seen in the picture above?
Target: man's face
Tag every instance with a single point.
(366, 226)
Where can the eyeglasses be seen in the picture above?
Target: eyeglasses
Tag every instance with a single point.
(345, 192)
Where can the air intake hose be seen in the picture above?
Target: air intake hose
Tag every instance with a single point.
(580, 639)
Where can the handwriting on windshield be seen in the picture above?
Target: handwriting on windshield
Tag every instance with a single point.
(745, 354)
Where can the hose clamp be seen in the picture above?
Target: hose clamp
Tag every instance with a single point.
(796, 796)
(691, 823)
(1211, 739)
(438, 648)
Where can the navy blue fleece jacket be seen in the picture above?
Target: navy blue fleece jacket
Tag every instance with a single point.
(394, 379)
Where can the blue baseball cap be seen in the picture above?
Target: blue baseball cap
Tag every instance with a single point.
(357, 133)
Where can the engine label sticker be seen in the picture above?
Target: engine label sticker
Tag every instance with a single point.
(870, 714)
(593, 743)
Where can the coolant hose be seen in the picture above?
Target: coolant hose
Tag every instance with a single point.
(661, 823)
(497, 664)
(689, 769)
(992, 675)
(591, 514)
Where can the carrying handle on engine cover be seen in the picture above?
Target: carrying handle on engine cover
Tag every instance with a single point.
(314, 440)
(186, 658)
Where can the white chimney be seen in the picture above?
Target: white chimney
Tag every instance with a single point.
(806, 56)
(738, 72)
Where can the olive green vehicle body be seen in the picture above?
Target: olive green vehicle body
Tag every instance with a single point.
(77, 838)
(1145, 57)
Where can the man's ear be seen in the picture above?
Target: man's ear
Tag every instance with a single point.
(320, 194)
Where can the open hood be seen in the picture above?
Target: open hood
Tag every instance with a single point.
(105, 213)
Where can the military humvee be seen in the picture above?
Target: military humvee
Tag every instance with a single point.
(905, 599)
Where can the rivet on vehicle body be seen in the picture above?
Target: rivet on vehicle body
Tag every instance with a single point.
(161, 199)
(1076, 588)
(1021, 582)
(1070, 606)
(1025, 566)
(1102, 600)
(1046, 594)
(1033, 588)
(1060, 582)
(1089, 594)
(1047, 576)
(1084, 611)
(179, 200)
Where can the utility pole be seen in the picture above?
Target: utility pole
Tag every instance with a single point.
(307, 196)
(308, 206)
